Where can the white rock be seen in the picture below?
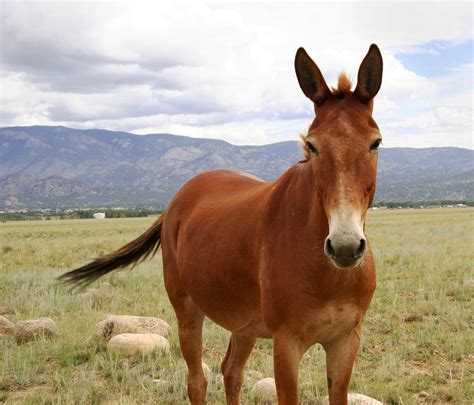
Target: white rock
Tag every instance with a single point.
(6, 327)
(114, 325)
(131, 343)
(32, 328)
(358, 399)
(265, 388)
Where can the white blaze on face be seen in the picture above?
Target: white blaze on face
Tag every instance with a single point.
(346, 222)
(346, 243)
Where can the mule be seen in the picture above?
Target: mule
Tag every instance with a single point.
(286, 260)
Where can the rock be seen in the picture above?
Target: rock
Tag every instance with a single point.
(131, 343)
(6, 327)
(265, 388)
(358, 399)
(33, 328)
(114, 325)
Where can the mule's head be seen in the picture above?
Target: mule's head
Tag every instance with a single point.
(341, 147)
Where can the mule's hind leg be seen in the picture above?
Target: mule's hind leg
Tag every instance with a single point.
(232, 367)
(190, 320)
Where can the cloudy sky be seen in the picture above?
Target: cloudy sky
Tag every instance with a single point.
(225, 69)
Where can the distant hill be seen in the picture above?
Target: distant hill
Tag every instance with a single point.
(43, 165)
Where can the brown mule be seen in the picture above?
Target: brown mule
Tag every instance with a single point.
(286, 260)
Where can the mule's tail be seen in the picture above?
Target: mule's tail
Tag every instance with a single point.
(134, 252)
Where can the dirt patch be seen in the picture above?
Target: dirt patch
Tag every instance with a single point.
(20, 395)
(413, 318)
(419, 367)
(467, 360)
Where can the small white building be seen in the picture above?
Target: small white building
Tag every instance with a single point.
(99, 215)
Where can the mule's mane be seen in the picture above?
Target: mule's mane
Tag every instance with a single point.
(343, 86)
(304, 149)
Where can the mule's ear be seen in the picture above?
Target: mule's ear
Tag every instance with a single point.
(310, 78)
(369, 77)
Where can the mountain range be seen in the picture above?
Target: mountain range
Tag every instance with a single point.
(59, 166)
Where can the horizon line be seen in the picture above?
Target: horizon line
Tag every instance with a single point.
(214, 139)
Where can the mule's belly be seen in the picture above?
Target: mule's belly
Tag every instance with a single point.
(227, 296)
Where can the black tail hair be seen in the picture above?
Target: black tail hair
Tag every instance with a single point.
(134, 252)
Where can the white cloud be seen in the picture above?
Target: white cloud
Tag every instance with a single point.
(224, 70)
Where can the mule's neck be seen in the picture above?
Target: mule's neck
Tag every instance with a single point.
(296, 202)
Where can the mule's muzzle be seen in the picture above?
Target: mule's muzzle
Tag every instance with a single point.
(345, 251)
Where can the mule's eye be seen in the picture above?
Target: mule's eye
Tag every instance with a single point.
(311, 148)
(375, 145)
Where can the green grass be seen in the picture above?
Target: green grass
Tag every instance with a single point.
(417, 333)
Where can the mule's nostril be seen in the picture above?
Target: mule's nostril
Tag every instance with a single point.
(361, 250)
(329, 249)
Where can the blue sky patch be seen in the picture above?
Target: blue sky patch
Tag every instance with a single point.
(437, 58)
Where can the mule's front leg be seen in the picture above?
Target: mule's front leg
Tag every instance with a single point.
(340, 357)
(287, 354)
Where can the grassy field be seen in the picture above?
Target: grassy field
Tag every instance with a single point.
(417, 345)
